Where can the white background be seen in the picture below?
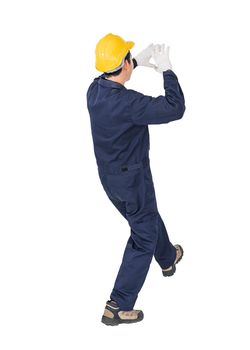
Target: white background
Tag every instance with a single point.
(61, 239)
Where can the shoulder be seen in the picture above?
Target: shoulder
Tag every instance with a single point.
(93, 84)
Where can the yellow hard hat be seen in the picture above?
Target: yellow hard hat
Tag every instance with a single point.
(110, 52)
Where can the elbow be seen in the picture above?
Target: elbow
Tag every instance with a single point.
(177, 107)
(178, 112)
(181, 110)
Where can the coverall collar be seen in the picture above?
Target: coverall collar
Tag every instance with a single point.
(109, 83)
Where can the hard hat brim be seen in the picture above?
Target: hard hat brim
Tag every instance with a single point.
(130, 44)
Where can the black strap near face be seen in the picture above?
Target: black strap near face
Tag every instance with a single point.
(135, 63)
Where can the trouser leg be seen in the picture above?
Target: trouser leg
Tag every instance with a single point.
(142, 215)
(165, 252)
(136, 262)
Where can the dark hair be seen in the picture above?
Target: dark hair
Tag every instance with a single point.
(117, 72)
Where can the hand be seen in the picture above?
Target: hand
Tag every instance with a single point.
(144, 57)
(161, 57)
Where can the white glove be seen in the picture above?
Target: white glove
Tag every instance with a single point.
(161, 57)
(144, 57)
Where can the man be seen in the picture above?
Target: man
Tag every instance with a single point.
(119, 125)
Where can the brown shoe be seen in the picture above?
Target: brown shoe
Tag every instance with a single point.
(113, 316)
(169, 271)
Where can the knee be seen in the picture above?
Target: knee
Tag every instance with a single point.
(144, 230)
(144, 240)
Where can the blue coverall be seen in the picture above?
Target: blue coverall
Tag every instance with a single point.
(119, 125)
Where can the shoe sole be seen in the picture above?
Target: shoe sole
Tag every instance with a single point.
(115, 322)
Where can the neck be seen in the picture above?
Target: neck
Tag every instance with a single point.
(117, 79)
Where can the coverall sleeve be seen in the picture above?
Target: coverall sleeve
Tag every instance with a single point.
(146, 110)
